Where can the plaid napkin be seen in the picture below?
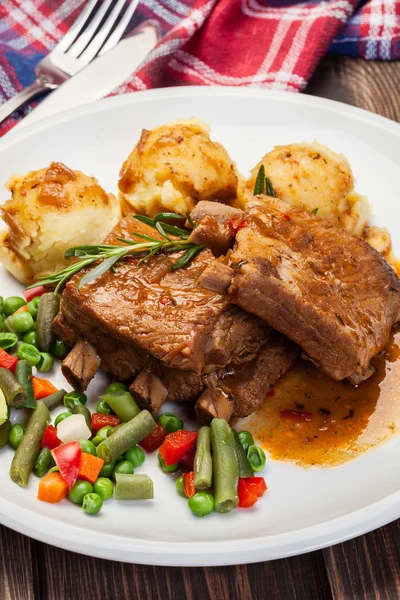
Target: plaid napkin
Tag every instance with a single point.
(273, 44)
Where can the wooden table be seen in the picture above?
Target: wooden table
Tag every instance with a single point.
(367, 568)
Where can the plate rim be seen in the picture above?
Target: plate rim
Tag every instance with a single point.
(215, 553)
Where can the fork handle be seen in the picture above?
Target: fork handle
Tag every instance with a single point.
(22, 97)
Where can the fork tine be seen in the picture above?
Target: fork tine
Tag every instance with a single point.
(101, 36)
(120, 28)
(74, 30)
(90, 30)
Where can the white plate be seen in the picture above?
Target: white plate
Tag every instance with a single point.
(303, 509)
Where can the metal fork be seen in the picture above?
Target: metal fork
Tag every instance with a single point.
(77, 49)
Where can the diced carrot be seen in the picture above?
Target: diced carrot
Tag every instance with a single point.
(90, 467)
(42, 388)
(21, 310)
(52, 488)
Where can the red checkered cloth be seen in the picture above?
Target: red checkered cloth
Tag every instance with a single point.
(273, 44)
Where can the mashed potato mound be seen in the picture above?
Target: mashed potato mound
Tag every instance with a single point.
(174, 166)
(51, 210)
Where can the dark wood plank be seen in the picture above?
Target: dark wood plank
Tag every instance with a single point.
(18, 580)
(68, 575)
(367, 567)
(370, 85)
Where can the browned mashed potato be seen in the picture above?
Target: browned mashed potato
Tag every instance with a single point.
(174, 166)
(51, 210)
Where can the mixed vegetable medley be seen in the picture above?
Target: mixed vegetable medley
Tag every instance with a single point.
(88, 457)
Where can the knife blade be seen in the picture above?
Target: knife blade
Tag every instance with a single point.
(101, 76)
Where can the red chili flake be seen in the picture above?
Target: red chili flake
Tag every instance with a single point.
(235, 224)
(164, 300)
(132, 260)
(296, 415)
(287, 217)
(271, 392)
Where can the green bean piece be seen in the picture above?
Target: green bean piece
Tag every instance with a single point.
(73, 399)
(8, 340)
(116, 386)
(170, 422)
(1, 322)
(46, 362)
(33, 306)
(180, 488)
(27, 452)
(246, 439)
(167, 468)
(122, 403)
(4, 433)
(23, 374)
(225, 466)
(29, 353)
(15, 435)
(59, 349)
(126, 436)
(23, 322)
(54, 400)
(14, 351)
(79, 409)
(30, 337)
(12, 304)
(43, 462)
(49, 306)
(133, 487)
(201, 504)
(256, 457)
(136, 456)
(202, 465)
(245, 469)
(13, 391)
(92, 504)
(104, 409)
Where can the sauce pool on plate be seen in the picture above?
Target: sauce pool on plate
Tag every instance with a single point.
(315, 421)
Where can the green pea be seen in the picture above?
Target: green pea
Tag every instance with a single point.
(103, 487)
(170, 422)
(104, 432)
(136, 456)
(8, 340)
(15, 435)
(106, 470)
(116, 386)
(33, 307)
(96, 440)
(88, 447)
(79, 490)
(1, 322)
(72, 399)
(201, 504)
(11, 304)
(8, 325)
(30, 338)
(92, 504)
(167, 468)
(54, 470)
(59, 349)
(29, 353)
(22, 322)
(103, 408)
(256, 457)
(61, 417)
(46, 362)
(1, 302)
(124, 467)
(180, 486)
(246, 439)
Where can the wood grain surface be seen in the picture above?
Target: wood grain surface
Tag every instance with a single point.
(366, 568)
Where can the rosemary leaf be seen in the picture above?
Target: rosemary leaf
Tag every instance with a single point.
(186, 257)
(269, 188)
(167, 215)
(260, 179)
(190, 220)
(141, 236)
(314, 212)
(102, 268)
(161, 231)
(145, 220)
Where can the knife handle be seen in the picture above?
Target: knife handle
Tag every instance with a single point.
(23, 96)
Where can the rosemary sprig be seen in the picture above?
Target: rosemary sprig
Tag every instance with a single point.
(263, 184)
(108, 255)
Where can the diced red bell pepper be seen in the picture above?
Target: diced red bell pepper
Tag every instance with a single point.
(50, 439)
(235, 224)
(99, 420)
(187, 460)
(176, 444)
(68, 457)
(154, 440)
(34, 292)
(7, 361)
(188, 484)
(296, 415)
(250, 489)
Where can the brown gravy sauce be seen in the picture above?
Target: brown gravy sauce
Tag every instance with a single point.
(346, 420)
